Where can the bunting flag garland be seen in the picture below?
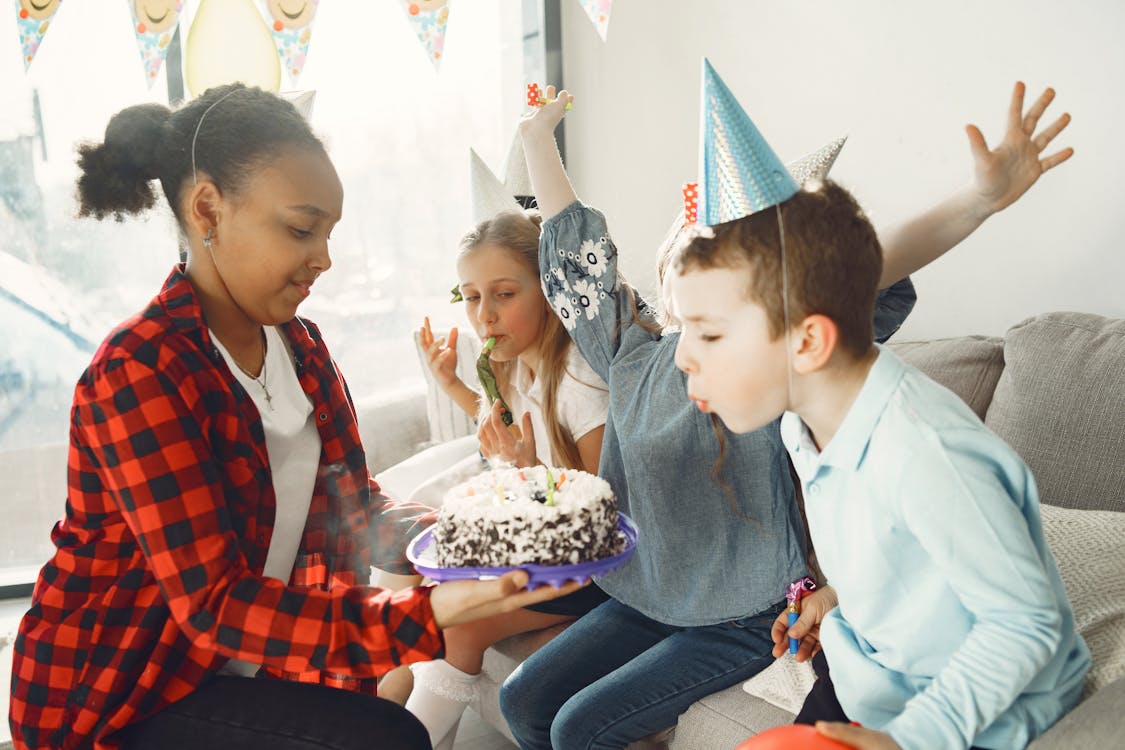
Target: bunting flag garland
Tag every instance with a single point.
(429, 17)
(154, 22)
(290, 22)
(231, 37)
(598, 13)
(32, 20)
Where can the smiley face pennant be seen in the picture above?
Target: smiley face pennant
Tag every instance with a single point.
(33, 17)
(155, 23)
(290, 22)
(429, 17)
(598, 13)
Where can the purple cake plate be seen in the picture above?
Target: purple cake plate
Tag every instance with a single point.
(419, 553)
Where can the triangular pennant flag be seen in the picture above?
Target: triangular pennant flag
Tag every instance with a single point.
(815, 166)
(516, 179)
(598, 13)
(291, 33)
(32, 20)
(489, 196)
(429, 17)
(154, 24)
(739, 173)
(303, 101)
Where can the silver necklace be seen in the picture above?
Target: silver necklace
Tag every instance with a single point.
(261, 378)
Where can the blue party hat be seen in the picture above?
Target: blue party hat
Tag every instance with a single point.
(810, 167)
(738, 171)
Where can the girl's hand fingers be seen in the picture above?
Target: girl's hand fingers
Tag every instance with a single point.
(1050, 132)
(435, 350)
(1037, 109)
(977, 143)
(1015, 107)
(1056, 159)
(504, 441)
(486, 436)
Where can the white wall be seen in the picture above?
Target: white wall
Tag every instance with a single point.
(901, 79)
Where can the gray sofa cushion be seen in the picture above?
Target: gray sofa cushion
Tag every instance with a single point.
(1088, 548)
(1060, 403)
(1095, 725)
(968, 365)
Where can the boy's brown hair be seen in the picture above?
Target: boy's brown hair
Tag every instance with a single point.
(833, 260)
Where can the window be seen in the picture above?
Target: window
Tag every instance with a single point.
(398, 131)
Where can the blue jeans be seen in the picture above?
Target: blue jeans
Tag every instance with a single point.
(615, 676)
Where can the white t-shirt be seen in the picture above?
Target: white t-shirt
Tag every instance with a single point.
(293, 447)
(582, 402)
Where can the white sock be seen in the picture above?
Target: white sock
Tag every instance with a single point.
(440, 694)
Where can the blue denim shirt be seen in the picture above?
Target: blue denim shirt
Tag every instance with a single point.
(705, 554)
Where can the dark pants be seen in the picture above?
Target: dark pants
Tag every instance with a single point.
(575, 604)
(821, 703)
(242, 713)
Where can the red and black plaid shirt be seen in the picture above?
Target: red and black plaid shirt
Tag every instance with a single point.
(157, 578)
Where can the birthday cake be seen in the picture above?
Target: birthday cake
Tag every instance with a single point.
(533, 516)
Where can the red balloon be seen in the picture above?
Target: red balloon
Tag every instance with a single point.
(791, 737)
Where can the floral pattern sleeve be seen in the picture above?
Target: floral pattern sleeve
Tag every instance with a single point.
(578, 263)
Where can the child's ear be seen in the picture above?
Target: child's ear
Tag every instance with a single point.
(203, 207)
(814, 341)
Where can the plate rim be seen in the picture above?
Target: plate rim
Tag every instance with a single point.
(535, 570)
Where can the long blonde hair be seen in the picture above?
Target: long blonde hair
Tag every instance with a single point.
(518, 232)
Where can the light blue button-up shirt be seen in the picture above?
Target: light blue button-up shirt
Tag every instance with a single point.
(708, 553)
(953, 627)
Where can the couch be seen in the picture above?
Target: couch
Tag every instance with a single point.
(1054, 388)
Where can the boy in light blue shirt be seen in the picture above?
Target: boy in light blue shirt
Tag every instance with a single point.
(952, 627)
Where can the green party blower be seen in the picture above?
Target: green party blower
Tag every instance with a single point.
(491, 389)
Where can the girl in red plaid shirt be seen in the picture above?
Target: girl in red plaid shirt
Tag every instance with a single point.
(220, 521)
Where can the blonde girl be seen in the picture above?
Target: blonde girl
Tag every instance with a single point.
(560, 405)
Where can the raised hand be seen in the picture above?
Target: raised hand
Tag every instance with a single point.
(1005, 173)
(545, 118)
(442, 355)
(458, 602)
